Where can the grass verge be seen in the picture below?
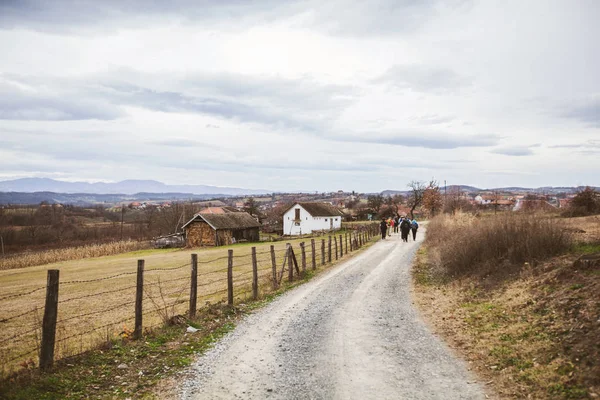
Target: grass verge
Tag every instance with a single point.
(529, 330)
(124, 368)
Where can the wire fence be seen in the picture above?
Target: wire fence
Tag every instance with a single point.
(41, 324)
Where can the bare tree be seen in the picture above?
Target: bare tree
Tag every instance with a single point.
(432, 198)
(375, 202)
(415, 197)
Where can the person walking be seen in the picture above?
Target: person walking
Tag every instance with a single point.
(396, 223)
(383, 228)
(405, 229)
(414, 226)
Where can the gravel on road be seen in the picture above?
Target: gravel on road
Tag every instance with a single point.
(351, 333)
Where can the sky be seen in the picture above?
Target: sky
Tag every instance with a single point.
(302, 95)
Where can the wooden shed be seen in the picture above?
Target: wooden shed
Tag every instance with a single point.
(221, 229)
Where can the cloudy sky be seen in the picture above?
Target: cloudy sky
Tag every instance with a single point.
(302, 95)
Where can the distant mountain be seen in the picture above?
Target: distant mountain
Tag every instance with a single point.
(87, 199)
(462, 188)
(30, 185)
(513, 189)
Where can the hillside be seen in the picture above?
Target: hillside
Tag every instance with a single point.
(30, 185)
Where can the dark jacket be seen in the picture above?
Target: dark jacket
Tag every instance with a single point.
(383, 226)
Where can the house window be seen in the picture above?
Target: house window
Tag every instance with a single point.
(325, 219)
(297, 214)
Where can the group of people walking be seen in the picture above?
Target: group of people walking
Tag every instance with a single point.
(403, 224)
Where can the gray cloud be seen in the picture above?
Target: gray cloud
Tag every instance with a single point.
(299, 104)
(427, 140)
(518, 151)
(587, 148)
(586, 111)
(21, 101)
(334, 17)
(373, 18)
(72, 15)
(422, 78)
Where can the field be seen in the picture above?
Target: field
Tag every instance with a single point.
(97, 295)
(528, 326)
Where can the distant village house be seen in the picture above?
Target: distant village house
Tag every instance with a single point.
(212, 229)
(303, 218)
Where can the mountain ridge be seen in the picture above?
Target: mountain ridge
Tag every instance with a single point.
(125, 187)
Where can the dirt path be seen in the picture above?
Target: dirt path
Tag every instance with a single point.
(349, 334)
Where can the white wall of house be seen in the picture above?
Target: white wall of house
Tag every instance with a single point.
(307, 223)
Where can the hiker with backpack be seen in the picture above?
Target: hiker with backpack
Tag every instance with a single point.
(414, 226)
(405, 229)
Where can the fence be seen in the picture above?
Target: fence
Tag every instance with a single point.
(66, 318)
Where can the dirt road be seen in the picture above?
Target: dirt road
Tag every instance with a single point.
(352, 333)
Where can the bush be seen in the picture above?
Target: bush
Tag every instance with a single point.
(586, 202)
(459, 245)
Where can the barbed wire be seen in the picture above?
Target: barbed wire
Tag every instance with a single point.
(213, 260)
(20, 355)
(211, 282)
(93, 329)
(11, 296)
(167, 269)
(20, 334)
(96, 312)
(98, 279)
(4, 320)
(96, 294)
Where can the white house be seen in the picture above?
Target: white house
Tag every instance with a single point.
(303, 218)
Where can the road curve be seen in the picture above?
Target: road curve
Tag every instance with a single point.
(351, 333)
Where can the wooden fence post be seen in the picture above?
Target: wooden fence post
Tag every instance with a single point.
(346, 241)
(314, 256)
(254, 275)
(329, 250)
(303, 259)
(336, 247)
(139, 300)
(230, 277)
(194, 286)
(290, 263)
(274, 267)
(322, 251)
(49, 322)
(341, 247)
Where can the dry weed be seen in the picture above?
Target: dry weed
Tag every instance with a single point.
(465, 243)
(71, 253)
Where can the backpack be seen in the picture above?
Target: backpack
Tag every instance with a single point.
(415, 225)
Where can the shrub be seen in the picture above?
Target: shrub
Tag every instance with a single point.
(462, 243)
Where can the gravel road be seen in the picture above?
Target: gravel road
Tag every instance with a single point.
(351, 333)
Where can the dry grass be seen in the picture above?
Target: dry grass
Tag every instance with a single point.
(92, 309)
(464, 243)
(72, 253)
(532, 333)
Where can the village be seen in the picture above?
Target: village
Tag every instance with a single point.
(241, 219)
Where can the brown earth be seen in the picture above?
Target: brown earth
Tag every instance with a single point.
(534, 333)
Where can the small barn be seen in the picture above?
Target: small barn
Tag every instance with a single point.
(221, 229)
(303, 218)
